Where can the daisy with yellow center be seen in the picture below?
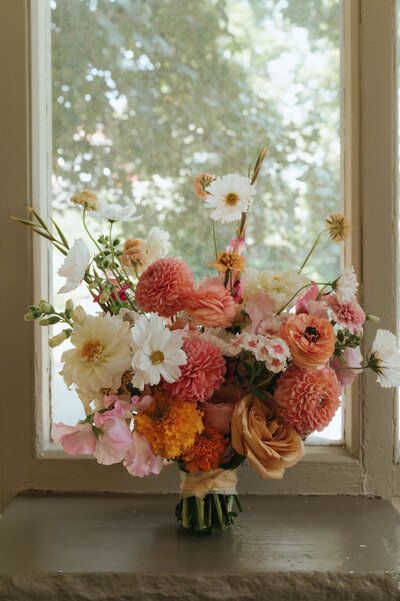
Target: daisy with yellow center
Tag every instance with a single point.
(229, 196)
(338, 227)
(157, 351)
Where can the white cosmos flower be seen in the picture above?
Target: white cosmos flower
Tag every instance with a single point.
(229, 196)
(157, 351)
(101, 353)
(346, 285)
(115, 212)
(385, 359)
(74, 266)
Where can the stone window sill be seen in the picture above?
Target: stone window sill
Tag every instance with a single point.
(124, 548)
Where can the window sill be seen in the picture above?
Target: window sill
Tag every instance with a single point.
(107, 547)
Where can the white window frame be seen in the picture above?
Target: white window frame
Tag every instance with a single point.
(366, 463)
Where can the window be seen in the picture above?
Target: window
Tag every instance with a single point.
(156, 94)
(369, 168)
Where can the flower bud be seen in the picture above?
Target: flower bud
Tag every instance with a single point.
(69, 306)
(44, 307)
(29, 316)
(104, 296)
(59, 338)
(78, 314)
(49, 321)
(373, 318)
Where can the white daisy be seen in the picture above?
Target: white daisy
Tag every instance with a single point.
(157, 351)
(115, 212)
(101, 353)
(385, 359)
(229, 196)
(74, 266)
(346, 285)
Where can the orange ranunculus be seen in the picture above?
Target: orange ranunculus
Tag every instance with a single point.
(269, 445)
(311, 340)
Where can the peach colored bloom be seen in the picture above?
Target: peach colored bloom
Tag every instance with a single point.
(212, 306)
(202, 373)
(269, 445)
(307, 400)
(133, 253)
(229, 260)
(200, 182)
(165, 287)
(311, 340)
(350, 314)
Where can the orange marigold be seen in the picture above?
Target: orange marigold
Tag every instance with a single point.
(206, 452)
(170, 425)
(133, 253)
(229, 260)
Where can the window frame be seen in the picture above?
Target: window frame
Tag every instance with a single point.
(366, 463)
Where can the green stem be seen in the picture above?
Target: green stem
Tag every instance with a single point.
(215, 239)
(297, 292)
(218, 510)
(311, 251)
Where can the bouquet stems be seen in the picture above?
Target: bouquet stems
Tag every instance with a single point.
(212, 513)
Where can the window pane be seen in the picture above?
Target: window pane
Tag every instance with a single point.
(146, 94)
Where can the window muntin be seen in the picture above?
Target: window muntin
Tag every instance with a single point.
(144, 95)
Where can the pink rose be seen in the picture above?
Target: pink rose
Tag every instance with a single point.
(211, 305)
(218, 416)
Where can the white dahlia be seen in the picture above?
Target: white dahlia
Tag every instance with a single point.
(385, 359)
(157, 351)
(101, 353)
(229, 196)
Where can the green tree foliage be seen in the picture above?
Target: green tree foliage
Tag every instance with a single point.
(146, 93)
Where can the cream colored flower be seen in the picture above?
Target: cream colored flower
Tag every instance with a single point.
(385, 359)
(156, 245)
(346, 285)
(281, 288)
(100, 355)
(338, 227)
(86, 199)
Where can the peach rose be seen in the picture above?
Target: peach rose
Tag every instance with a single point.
(269, 445)
(212, 306)
(311, 340)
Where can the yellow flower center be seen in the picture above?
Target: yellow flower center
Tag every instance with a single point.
(91, 350)
(157, 357)
(231, 199)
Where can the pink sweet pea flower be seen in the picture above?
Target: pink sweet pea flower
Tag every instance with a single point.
(237, 245)
(140, 460)
(259, 307)
(219, 416)
(75, 440)
(115, 437)
(141, 404)
(344, 365)
(309, 304)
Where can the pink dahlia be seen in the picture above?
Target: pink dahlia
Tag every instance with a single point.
(165, 286)
(308, 400)
(212, 306)
(202, 373)
(349, 314)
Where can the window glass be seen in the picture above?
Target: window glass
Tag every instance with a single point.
(145, 94)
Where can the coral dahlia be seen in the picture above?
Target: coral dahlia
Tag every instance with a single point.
(202, 374)
(308, 400)
(164, 287)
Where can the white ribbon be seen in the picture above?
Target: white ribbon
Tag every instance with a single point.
(199, 484)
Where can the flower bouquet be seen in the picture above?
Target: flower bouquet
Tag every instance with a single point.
(241, 366)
